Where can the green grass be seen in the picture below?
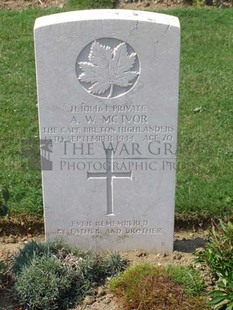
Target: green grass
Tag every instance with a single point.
(187, 277)
(145, 286)
(91, 4)
(204, 173)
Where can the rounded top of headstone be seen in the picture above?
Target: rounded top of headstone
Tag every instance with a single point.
(107, 14)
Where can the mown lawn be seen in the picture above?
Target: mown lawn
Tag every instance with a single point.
(205, 157)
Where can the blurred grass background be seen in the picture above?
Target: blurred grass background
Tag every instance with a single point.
(205, 148)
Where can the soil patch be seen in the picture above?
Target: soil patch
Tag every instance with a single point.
(24, 4)
(185, 242)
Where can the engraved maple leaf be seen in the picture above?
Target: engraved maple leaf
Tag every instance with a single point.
(108, 67)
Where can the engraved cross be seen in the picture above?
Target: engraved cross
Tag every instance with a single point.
(109, 175)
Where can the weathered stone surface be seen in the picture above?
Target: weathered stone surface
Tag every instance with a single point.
(108, 99)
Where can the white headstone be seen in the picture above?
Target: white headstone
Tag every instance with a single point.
(107, 85)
